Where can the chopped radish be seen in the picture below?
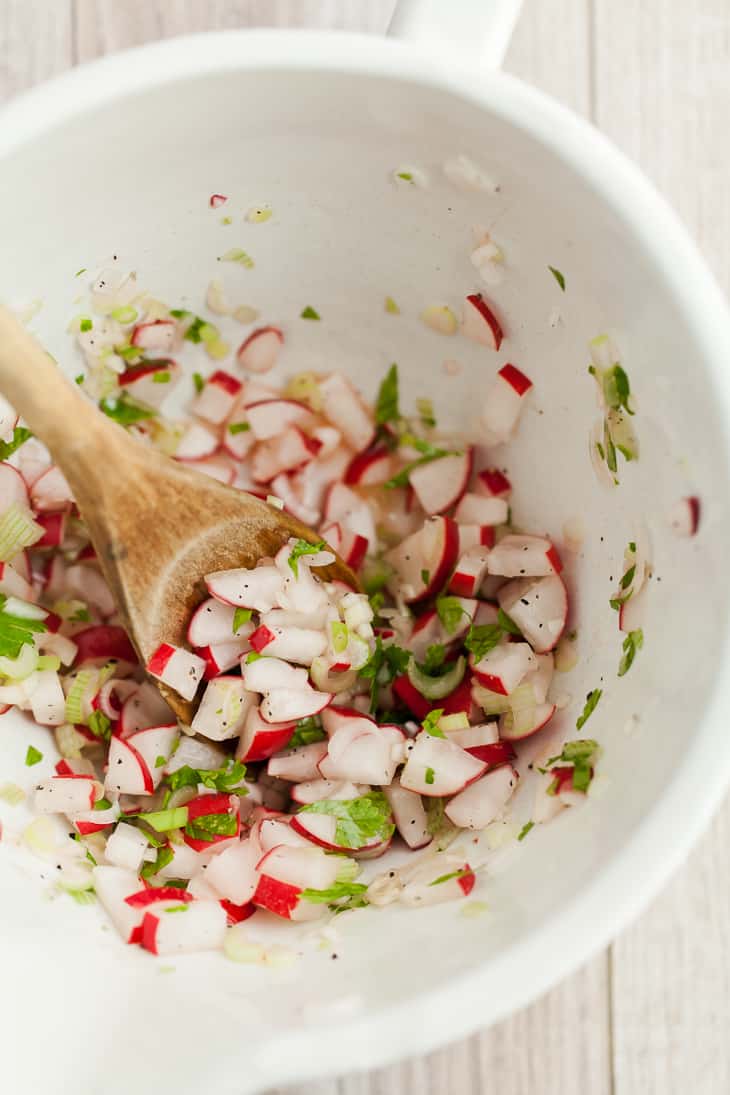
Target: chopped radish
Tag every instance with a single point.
(285, 453)
(177, 668)
(233, 874)
(350, 511)
(50, 491)
(197, 443)
(512, 729)
(217, 399)
(409, 815)
(684, 518)
(475, 509)
(221, 808)
(128, 772)
(504, 404)
(539, 607)
(321, 829)
(479, 322)
(479, 804)
(171, 930)
(223, 709)
(212, 622)
(516, 556)
(287, 704)
(369, 468)
(258, 353)
(350, 546)
(66, 794)
(126, 847)
(151, 382)
(257, 589)
(54, 526)
(144, 708)
(440, 484)
(217, 200)
(103, 643)
(469, 572)
(424, 561)
(259, 739)
(300, 764)
(345, 410)
(13, 585)
(12, 488)
(493, 483)
(436, 767)
(502, 669)
(363, 752)
(8, 420)
(160, 334)
(47, 701)
(220, 657)
(270, 417)
(294, 644)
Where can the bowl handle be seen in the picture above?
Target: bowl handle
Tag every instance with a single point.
(478, 30)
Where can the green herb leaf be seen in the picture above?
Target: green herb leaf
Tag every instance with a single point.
(240, 617)
(430, 775)
(435, 656)
(161, 377)
(307, 732)
(435, 815)
(124, 410)
(450, 611)
(198, 382)
(617, 389)
(334, 895)
(160, 762)
(525, 830)
(590, 705)
(631, 645)
(33, 756)
(480, 640)
(80, 272)
(581, 754)
(225, 779)
(20, 436)
(386, 405)
(558, 277)
(85, 324)
(426, 413)
(430, 453)
(430, 725)
(209, 826)
(102, 804)
(16, 631)
(164, 856)
(100, 725)
(303, 547)
(384, 665)
(507, 624)
(238, 427)
(359, 821)
(309, 313)
(405, 175)
(461, 873)
(425, 576)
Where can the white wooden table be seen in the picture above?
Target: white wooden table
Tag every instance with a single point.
(651, 1015)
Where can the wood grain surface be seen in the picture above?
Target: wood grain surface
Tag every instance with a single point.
(650, 1016)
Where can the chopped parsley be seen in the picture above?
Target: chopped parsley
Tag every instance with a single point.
(461, 873)
(508, 625)
(20, 436)
(240, 617)
(125, 410)
(225, 779)
(405, 175)
(102, 804)
(160, 762)
(353, 894)
(581, 755)
(80, 272)
(358, 821)
(626, 579)
(426, 413)
(525, 830)
(303, 547)
(16, 631)
(161, 377)
(429, 454)
(482, 639)
(431, 726)
(558, 277)
(85, 324)
(425, 576)
(386, 405)
(434, 660)
(237, 254)
(238, 427)
(430, 776)
(589, 707)
(309, 313)
(631, 645)
(209, 826)
(33, 756)
(450, 610)
(307, 732)
(198, 382)
(383, 666)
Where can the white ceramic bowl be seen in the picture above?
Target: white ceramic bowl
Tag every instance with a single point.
(119, 158)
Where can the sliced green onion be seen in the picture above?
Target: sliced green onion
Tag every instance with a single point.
(521, 716)
(237, 254)
(49, 661)
(435, 688)
(125, 314)
(164, 820)
(17, 669)
(18, 530)
(459, 721)
(80, 690)
(340, 636)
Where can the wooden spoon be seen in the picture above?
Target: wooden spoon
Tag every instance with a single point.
(157, 525)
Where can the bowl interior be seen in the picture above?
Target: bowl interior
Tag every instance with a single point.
(131, 180)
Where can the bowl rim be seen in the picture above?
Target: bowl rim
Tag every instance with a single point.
(628, 881)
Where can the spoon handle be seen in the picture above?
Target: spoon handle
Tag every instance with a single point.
(77, 435)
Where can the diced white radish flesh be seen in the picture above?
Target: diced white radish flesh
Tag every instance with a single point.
(436, 767)
(350, 511)
(303, 867)
(144, 708)
(369, 468)
(409, 814)
(154, 744)
(485, 733)
(502, 669)
(66, 795)
(541, 676)
(539, 607)
(504, 403)
(197, 754)
(265, 674)
(200, 926)
(334, 716)
(300, 764)
(112, 886)
(362, 752)
(469, 572)
(293, 644)
(275, 831)
(12, 584)
(233, 874)
(257, 589)
(127, 771)
(520, 556)
(437, 880)
(475, 509)
(126, 847)
(512, 728)
(8, 420)
(51, 491)
(479, 322)
(315, 790)
(684, 518)
(217, 399)
(440, 484)
(260, 350)
(288, 704)
(212, 622)
(177, 668)
(478, 805)
(12, 488)
(223, 709)
(196, 443)
(47, 701)
(158, 335)
(423, 561)
(260, 739)
(345, 410)
(270, 417)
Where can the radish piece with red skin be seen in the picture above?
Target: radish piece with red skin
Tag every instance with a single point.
(369, 468)
(146, 383)
(435, 767)
(476, 509)
(95, 821)
(216, 200)
(13, 585)
(223, 708)
(127, 771)
(218, 397)
(276, 897)
(144, 708)
(363, 752)
(478, 805)
(346, 508)
(504, 404)
(201, 927)
(103, 643)
(350, 546)
(126, 847)
(304, 867)
(469, 572)
(335, 716)
(152, 743)
(539, 607)
(282, 454)
(504, 667)
(345, 410)
(440, 484)
(285, 704)
(212, 622)
(177, 668)
(270, 417)
(265, 674)
(53, 525)
(205, 806)
(275, 831)
(429, 553)
(88, 584)
(69, 794)
(12, 488)
(494, 755)
(112, 886)
(236, 914)
(220, 657)
(300, 764)
(259, 740)
(409, 814)
(157, 334)
(543, 713)
(232, 873)
(321, 829)
(258, 352)
(492, 483)
(517, 556)
(684, 518)
(293, 644)
(437, 880)
(316, 790)
(51, 491)
(473, 737)
(479, 322)
(74, 766)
